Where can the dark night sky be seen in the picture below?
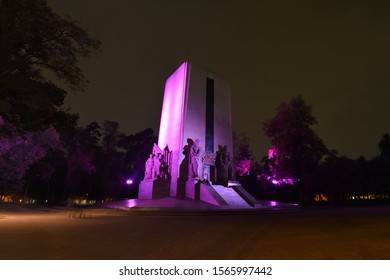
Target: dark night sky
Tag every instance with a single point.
(334, 53)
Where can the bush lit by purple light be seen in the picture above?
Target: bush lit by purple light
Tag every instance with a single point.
(277, 181)
(274, 177)
(286, 181)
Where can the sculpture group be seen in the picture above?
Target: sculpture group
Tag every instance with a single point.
(157, 165)
(193, 165)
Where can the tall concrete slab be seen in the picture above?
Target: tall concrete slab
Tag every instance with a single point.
(195, 134)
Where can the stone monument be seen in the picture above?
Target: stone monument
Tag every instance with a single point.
(196, 135)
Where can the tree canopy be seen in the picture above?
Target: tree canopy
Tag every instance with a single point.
(33, 38)
(298, 148)
(38, 51)
(384, 146)
(35, 44)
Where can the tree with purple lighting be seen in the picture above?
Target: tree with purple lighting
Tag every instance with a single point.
(245, 165)
(18, 153)
(275, 174)
(299, 150)
(38, 49)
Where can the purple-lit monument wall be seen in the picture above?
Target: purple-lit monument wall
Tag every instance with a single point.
(171, 123)
(173, 118)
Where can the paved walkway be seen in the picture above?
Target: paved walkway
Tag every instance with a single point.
(334, 233)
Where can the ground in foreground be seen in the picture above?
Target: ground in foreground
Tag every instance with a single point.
(334, 233)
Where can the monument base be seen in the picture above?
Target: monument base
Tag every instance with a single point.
(158, 188)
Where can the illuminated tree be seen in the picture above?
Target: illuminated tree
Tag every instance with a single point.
(18, 153)
(38, 50)
(299, 149)
(243, 167)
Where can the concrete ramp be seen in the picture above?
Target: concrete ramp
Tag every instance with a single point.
(247, 196)
(207, 193)
(222, 196)
(231, 197)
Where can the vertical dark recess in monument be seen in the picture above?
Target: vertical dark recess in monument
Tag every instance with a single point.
(209, 115)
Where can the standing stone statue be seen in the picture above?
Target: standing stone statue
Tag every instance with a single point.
(149, 168)
(194, 160)
(223, 164)
(184, 166)
(156, 166)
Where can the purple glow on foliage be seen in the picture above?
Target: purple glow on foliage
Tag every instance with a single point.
(243, 167)
(274, 177)
(277, 181)
(129, 181)
(284, 181)
(172, 111)
(272, 153)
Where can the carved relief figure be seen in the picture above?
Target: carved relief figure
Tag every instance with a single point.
(163, 174)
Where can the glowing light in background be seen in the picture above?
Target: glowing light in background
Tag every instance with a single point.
(129, 181)
(172, 111)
